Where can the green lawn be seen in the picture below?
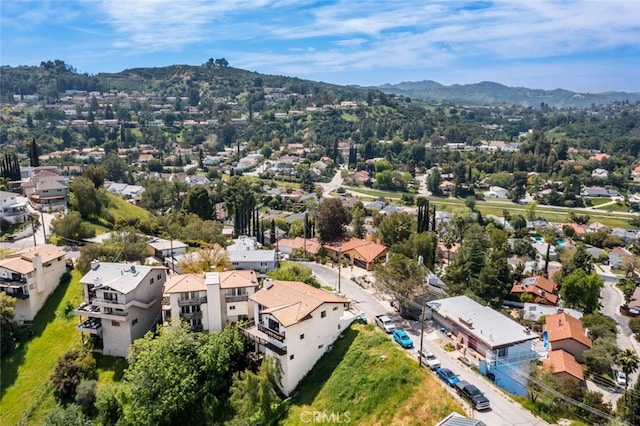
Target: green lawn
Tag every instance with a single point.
(119, 208)
(26, 389)
(371, 381)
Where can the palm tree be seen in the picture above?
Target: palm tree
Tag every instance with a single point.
(628, 361)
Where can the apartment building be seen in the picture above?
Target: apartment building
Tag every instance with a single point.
(210, 300)
(11, 209)
(297, 324)
(121, 303)
(31, 276)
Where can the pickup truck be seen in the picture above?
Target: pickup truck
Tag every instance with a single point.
(473, 395)
(430, 359)
(385, 323)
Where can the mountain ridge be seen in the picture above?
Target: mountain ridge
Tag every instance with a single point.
(490, 92)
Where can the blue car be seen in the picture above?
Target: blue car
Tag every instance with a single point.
(448, 376)
(403, 338)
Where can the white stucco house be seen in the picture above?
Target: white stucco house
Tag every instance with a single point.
(245, 253)
(297, 324)
(11, 209)
(121, 303)
(31, 276)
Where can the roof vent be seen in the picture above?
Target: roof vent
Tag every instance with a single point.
(97, 282)
(94, 264)
(268, 283)
(133, 269)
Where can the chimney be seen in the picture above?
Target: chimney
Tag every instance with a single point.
(368, 238)
(97, 281)
(378, 241)
(94, 264)
(268, 283)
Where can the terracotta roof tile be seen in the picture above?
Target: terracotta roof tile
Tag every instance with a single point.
(562, 361)
(562, 326)
(292, 301)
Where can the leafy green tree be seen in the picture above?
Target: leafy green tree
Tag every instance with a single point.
(179, 377)
(86, 199)
(582, 290)
(494, 280)
(401, 275)
(396, 228)
(86, 396)
(7, 325)
(469, 261)
(292, 271)
(631, 405)
(519, 188)
(72, 228)
(116, 167)
(628, 288)
(358, 214)
(71, 368)
(255, 397)
(331, 219)
(240, 200)
(599, 326)
(423, 244)
(70, 415)
(433, 182)
(601, 355)
(628, 361)
(581, 260)
(95, 174)
(108, 406)
(198, 201)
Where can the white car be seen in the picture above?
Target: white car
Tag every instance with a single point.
(432, 362)
(621, 378)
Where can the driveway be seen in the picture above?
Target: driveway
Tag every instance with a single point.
(335, 183)
(504, 411)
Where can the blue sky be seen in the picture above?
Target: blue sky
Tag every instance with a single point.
(582, 45)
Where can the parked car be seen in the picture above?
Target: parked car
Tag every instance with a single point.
(473, 395)
(385, 323)
(448, 376)
(431, 360)
(403, 338)
(621, 378)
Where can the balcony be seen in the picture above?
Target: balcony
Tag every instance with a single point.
(192, 302)
(257, 336)
(241, 298)
(271, 333)
(107, 302)
(18, 293)
(166, 302)
(92, 326)
(191, 315)
(15, 280)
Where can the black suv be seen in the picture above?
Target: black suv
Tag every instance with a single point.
(473, 394)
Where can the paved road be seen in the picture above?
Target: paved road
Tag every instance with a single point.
(611, 298)
(335, 183)
(504, 411)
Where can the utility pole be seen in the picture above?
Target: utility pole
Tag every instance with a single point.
(33, 231)
(424, 317)
(44, 231)
(339, 266)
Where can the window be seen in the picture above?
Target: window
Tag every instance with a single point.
(232, 307)
(115, 323)
(502, 352)
(151, 280)
(323, 314)
(159, 277)
(134, 322)
(292, 356)
(31, 286)
(302, 336)
(273, 325)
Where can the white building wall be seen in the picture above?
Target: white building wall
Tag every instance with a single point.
(214, 303)
(49, 276)
(319, 335)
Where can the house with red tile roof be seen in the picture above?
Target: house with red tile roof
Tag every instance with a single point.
(567, 333)
(541, 290)
(361, 253)
(564, 365)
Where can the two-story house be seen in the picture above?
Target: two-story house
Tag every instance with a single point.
(245, 253)
(121, 303)
(297, 324)
(564, 332)
(209, 301)
(500, 344)
(31, 276)
(11, 209)
(539, 289)
(47, 192)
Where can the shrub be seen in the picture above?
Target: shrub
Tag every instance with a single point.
(71, 368)
(108, 406)
(86, 396)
